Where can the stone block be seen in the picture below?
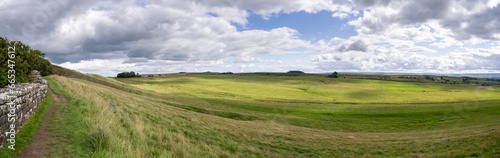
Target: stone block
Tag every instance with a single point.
(26, 97)
(3, 120)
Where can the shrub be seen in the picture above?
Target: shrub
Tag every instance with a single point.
(26, 60)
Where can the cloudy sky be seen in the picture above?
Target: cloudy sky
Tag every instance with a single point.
(148, 36)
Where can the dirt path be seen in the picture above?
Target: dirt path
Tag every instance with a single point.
(37, 148)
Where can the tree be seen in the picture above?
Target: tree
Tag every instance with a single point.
(334, 75)
(295, 72)
(44, 67)
(25, 61)
(127, 74)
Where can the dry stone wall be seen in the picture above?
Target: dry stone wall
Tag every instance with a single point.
(17, 105)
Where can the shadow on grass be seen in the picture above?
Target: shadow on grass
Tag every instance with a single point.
(224, 114)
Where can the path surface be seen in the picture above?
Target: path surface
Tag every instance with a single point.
(38, 147)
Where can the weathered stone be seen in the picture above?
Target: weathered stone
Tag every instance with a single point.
(26, 97)
(3, 120)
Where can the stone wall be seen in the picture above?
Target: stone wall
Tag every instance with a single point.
(18, 105)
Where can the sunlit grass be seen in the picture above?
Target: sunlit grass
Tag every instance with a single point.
(314, 89)
(395, 105)
(152, 125)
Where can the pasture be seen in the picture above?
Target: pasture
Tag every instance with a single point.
(198, 115)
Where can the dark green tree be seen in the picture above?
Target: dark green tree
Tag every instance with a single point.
(127, 74)
(25, 60)
(295, 72)
(44, 67)
(334, 75)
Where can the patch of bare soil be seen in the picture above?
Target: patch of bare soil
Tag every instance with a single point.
(38, 148)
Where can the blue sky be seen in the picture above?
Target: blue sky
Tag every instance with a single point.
(311, 26)
(108, 37)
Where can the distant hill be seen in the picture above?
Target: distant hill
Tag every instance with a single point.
(61, 71)
(480, 75)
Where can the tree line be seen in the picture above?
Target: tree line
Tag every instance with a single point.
(128, 74)
(23, 61)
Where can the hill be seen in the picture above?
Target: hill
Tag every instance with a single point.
(209, 115)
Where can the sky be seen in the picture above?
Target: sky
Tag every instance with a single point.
(316, 36)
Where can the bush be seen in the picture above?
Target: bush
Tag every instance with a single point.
(25, 61)
(44, 67)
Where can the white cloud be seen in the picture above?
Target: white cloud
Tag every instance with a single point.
(477, 60)
(493, 3)
(340, 15)
(192, 35)
(420, 34)
(464, 19)
(267, 8)
(177, 30)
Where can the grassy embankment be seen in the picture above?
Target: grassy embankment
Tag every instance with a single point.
(296, 116)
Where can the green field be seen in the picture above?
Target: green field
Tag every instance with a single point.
(354, 104)
(250, 115)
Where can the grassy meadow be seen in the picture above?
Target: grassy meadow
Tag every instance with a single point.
(197, 115)
(354, 104)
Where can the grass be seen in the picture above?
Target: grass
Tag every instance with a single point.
(26, 135)
(296, 116)
(97, 140)
(314, 89)
(395, 106)
(230, 115)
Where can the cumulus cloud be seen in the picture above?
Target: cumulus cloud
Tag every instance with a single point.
(397, 35)
(421, 11)
(202, 35)
(465, 19)
(178, 30)
(363, 4)
(267, 8)
(355, 46)
(393, 61)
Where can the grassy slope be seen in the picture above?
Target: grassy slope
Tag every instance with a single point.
(395, 107)
(140, 123)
